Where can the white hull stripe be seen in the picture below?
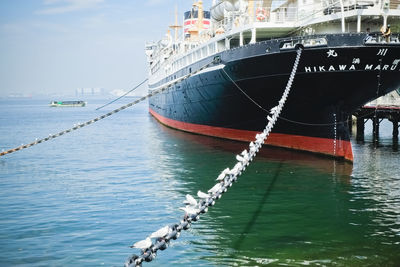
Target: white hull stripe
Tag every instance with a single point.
(175, 81)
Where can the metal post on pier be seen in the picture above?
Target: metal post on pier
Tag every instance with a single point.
(395, 132)
(375, 129)
(360, 129)
(350, 124)
(395, 122)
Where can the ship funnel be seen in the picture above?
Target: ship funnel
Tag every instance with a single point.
(192, 21)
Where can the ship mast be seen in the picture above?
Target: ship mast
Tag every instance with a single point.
(200, 14)
(176, 26)
(195, 29)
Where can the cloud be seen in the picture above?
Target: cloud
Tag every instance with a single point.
(10, 28)
(65, 6)
(154, 2)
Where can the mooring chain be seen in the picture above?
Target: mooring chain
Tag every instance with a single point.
(194, 208)
(80, 125)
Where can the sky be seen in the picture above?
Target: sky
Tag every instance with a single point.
(54, 47)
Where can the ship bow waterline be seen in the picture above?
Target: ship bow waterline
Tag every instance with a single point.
(250, 57)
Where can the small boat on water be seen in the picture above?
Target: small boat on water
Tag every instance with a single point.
(67, 104)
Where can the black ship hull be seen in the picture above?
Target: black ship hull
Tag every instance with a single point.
(231, 99)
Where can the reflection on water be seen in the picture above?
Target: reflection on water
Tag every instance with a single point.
(83, 198)
(289, 207)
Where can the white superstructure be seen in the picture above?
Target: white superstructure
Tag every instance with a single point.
(237, 23)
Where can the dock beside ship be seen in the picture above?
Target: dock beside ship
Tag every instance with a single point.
(385, 107)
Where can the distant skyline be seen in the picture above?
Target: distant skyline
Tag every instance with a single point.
(56, 46)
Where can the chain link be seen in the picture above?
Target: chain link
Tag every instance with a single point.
(80, 125)
(226, 178)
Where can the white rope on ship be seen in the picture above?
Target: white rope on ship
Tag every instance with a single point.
(194, 208)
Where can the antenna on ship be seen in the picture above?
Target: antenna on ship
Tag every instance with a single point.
(176, 26)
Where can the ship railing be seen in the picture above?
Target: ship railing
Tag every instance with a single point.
(331, 10)
(287, 14)
(186, 53)
(222, 26)
(314, 11)
(280, 15)
(378, 38)
(348, 6)
(306, 41)
(261, 14)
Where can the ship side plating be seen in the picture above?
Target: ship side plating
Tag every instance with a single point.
(338, 72)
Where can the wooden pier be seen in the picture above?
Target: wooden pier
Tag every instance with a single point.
(386, 107)
(377, 115)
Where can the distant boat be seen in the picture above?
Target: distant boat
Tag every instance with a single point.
(67, 104)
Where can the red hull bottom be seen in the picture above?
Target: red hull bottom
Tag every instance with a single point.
(318, 145)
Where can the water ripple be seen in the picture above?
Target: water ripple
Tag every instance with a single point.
(82, 199)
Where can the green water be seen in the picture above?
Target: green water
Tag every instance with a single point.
(292, 208)
(84, 198)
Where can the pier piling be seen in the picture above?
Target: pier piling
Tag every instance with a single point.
(395, 122)
(375, 129)
(350, 124)
(377, 115)
(360, 129)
